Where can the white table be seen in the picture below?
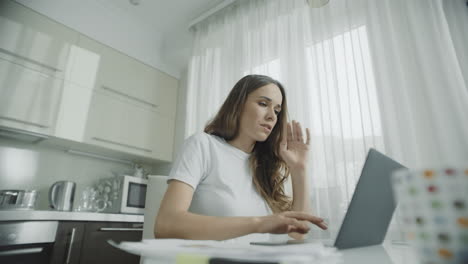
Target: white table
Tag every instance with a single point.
(382, 254)
(387, 253)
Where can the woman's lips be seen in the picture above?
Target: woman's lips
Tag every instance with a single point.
(266, 128)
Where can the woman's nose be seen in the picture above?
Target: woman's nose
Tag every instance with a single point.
(271, 115)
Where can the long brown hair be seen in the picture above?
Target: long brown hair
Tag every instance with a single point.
(269, 169)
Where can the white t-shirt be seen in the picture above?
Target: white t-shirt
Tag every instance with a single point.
(221, 177)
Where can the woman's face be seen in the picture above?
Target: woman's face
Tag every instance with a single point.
(260, 112)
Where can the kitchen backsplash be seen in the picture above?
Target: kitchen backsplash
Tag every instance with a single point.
(34, 166)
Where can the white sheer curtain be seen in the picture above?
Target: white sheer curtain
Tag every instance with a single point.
(358, 73)
(457, 17)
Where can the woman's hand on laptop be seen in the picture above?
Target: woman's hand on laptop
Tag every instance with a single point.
(288, 222)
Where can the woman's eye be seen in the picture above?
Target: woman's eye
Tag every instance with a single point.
(277, 112)
(262, 104)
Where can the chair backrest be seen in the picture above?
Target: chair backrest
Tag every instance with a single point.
(157, 185)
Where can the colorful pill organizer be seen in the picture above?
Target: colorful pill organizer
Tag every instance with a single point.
(433, 211)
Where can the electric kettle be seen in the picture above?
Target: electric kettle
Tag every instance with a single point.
(61, 195)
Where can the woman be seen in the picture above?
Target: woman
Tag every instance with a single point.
(228, 181)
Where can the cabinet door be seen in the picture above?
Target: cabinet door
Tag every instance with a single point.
(68, 243)
(121, 73)
(32, 39)
(97, 250)
(124, 75)
(73, 112)
(122, 124)
(166, 93)
(28, 99)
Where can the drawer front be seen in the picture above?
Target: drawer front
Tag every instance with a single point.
(97, 250)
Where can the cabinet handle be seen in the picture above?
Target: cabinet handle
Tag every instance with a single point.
(111, 229)
(28, 60)
(21, 251)
(121, 144)
(24, 122)
(72, 240)
(129, 96)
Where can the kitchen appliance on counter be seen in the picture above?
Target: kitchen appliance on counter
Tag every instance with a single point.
(122, 194)
(18, 199)
(27, 242)
(61, 195)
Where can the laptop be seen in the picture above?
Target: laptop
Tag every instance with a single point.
(370, 210)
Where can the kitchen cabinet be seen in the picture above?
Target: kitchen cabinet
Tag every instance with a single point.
(56, 81)
(73, 112)
(68, 243)
(86, 242)
(133, 106)
(29, 99)
(32, 40)
(97, 250)
(34, 55)
(127, 126)
(122, 75)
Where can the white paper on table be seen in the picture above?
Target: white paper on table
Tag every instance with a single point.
(169, 249)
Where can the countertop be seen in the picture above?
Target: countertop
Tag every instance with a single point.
(25, 215)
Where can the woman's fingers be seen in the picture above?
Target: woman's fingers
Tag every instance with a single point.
(303, 216)
(298, 132)
(293, 229)
(322, 225)
(294, 132)
(284, 140)
(297, 226)
(307, 217)
(290, 132)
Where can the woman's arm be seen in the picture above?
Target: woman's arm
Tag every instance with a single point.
(174, 220)
(300, 189)
(294, 150)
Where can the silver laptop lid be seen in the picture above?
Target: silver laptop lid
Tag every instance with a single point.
(372, 206)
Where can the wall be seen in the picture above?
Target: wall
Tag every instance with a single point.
(35, 166)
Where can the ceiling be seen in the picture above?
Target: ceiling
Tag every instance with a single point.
(169, 19)
(167, 15)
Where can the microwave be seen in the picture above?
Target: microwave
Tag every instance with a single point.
(131, 197)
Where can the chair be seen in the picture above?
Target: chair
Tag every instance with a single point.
(157, 185)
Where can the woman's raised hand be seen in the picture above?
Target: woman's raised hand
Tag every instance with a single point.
(288, 222)
(294, 149)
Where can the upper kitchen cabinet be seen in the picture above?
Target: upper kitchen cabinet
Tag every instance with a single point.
(34, 54)
(32, 41)
(29, 100)
(133, 106)
(124, 76)
(116, 122)
(58, 82)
